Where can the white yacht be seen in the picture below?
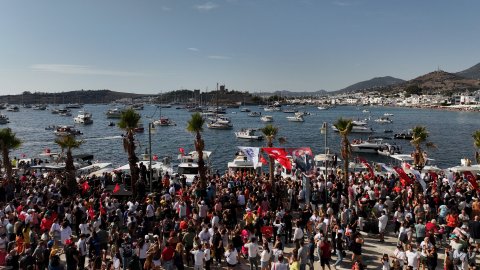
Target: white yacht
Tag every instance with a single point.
(368, 146)
(248, 134)
(163, 122)
(266, 118)
(242, 164)
(389, 149)
(220, 118)
(219, 125)
(114, 113)
(13, 108)
(366, 111)
(255, 114)
(388, 114)
(3, 119)
(83, 118)
(383, 120)
(357, 129)
(408, 159)
(188, 166)
(322, 108)
(296, 118)
(39, 107)
(73, 106)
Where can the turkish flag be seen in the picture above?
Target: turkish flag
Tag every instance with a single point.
(85, 186)
(403, 176)
(102, 210)
(371, 174)
(263, 160)
(181, 150)
(280, 155)
(155, 157)
(471, 179)
(117, 188)
(91, 213)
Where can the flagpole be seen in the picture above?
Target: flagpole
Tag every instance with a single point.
(324, 130)
(150, 154)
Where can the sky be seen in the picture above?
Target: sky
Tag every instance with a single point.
(153, 46)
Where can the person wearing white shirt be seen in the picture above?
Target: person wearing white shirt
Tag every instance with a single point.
(82, 251)
(65, 233)
(298, 234)
(198, 258)
(265, 257)
(252, 248)
(280, 264)
(150, 212)
(413, 257)
(231, 256)
(204, 235)
(84, 229)
(382, 225)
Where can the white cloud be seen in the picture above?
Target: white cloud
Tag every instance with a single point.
(81, 70)
(207, 6)
(219, 57)
(193, 49)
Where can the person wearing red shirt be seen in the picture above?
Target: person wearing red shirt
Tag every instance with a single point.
(167, 257)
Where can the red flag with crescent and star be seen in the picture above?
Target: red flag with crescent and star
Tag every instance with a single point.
(280, 155)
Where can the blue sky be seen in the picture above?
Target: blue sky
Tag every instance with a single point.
(152, 46)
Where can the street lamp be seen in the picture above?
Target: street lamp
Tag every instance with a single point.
(324, 130)
(151, 127)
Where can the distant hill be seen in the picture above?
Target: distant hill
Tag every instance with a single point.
(79, 96)
(471, 73)
(439, 82)
(378, 82)
(287, 93)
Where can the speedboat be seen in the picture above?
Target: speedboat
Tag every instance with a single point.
(245, 110)
(114, 113)
(296, 118)
(359, 122)
(13, 108)
(248, 134)
(73, 106)
(404, 135)
(266, 118)
(137, 106)
(366, 111)
(271, 109)
(383, 120)
(388, 114)
(163, 122)
(389, 149)
(66, 131)
(255, 114)
(357, 129)
(188, 166)
(289, 110)
(220, 119)
(242, 164)
(83, 118)
(139, 128)
(322, 108)
(39, 107)
(368, 146)
(406, 161)
(111, 124)
(3, 119)
(219, 125)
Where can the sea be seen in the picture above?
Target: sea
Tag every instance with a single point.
(450, 131)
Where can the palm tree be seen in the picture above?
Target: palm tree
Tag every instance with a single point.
(69, 142)
(420, 137)
(128, 122)
(344, 127)
(195, 126)
(270, 131)
(8, 141)
(476, 142)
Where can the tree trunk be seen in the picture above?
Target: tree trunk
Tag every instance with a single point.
(271, 165)
(199, 146)
(132, 162)
(70, 171)
(7, 164)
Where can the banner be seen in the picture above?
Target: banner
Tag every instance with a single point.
(303, 158)
(419, 178)
(404, 179)
(371, 174)
(280, 155)
(251, 153)
(471, 179)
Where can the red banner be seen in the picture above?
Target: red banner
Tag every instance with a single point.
(280, 155)
(116, 189)
(471, 179)
(404, 178)
(371, 174)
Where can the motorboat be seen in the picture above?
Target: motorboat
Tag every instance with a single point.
(111, 124)
(287, 110)
(406, 161)
(266, 118)
(220, 119)
(13, 108)
(245, 109)
(137, 106)
(368, 146)
(115, 113)
(359, 122)
(51, 127)
(366, 111)
(322, 108)
(73, 106)
(39, 107)
(388, 114)
(383, 120)
(217, 110)
(66, 131)
(83, 118)
(255, 114)
(3, 119)
(139, 128)
(407, 135)
(63, 112)
(165, 105)
(248, 134)
(163, 122)
(387, 131)
(188, 166)
(271, 108)
(27, 106)
(357, 129)
(389, 149)
(296, 118)
(241, 164)
(219, 125)
(302, 113)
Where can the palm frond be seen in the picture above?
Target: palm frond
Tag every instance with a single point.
(195, 124)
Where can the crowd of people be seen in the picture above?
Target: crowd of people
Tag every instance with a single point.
(239, 219)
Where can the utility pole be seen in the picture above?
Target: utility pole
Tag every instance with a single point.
(150, 126)
(324, 130)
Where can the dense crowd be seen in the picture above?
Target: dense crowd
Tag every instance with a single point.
(239, 219)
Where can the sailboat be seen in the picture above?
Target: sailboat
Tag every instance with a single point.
(219, 122)
(163, 121)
